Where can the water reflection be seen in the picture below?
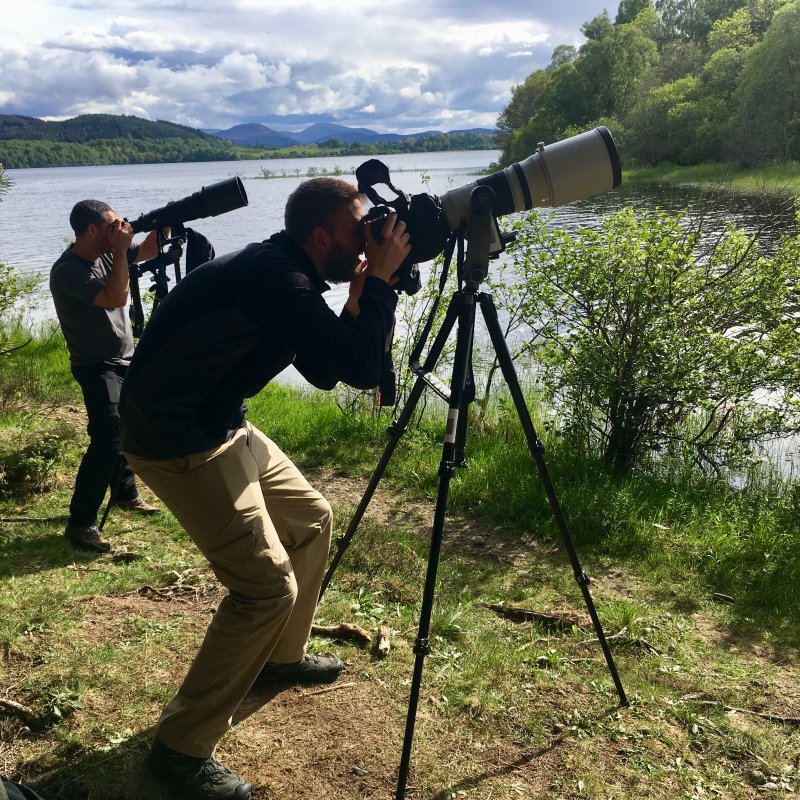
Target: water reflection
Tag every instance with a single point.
(769, 216)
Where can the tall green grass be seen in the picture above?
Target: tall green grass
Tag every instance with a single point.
(672, 524)
(777, 178)
(675, 525)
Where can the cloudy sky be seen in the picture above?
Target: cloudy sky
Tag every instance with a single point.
(389, 65)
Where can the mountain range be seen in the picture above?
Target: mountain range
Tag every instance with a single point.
(256, 134)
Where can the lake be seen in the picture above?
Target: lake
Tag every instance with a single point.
(34, 214)
(34, 223)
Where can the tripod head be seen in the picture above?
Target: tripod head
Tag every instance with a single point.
(160, 280)
(482, 224)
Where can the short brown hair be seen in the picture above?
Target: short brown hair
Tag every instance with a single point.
(315, 202)
(86, 213)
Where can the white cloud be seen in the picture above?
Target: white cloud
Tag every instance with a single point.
(401, 66)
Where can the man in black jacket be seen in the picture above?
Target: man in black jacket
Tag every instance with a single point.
(220, 336)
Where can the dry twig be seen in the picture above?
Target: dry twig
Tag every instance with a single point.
(382, 645)
(344, 630)
(26, 714)
(725, 707)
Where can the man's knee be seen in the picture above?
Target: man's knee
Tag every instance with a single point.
(325, 513)
(268, 604)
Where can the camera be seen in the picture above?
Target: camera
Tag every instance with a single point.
(210, 201)
(554, 175)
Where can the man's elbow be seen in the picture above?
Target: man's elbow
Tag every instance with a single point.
(108, 300)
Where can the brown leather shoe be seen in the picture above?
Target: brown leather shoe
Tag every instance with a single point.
(87, 537)
(138, 505)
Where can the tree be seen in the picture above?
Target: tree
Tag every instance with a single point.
(677, 122)
(5, 182)
(693, 19)
(628, 10)
(654, 338)
(598, 28)
(520, 109)
(609, 71)
(562, 54)
(768, 93)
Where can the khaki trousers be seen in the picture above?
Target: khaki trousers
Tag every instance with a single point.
(266, 534)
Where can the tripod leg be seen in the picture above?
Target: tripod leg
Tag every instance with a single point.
(466, 325)
(537, 449)
(116, 480)
(396, 430)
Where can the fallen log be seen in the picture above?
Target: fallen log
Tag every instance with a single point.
(344, 630)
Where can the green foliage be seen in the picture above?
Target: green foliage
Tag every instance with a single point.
(412, 144)
(686, 81)
(104, 139)
(30, 462)
(107, 139)
(15, 288)
(768, 93)
(655, 337)
(91, 127)
(21, 153)
(5, 182)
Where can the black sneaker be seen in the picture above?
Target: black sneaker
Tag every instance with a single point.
(87, 537)
(310, 668)
(196, 778)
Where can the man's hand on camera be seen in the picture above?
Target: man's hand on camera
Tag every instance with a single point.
(385, 257)
(120, 235)
(356, 287)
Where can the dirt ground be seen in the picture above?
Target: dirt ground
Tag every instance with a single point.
(344, 741)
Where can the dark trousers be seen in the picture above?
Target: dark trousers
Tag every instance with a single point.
(100, 384)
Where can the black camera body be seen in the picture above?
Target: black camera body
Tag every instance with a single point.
(407, 274)
(423, 215)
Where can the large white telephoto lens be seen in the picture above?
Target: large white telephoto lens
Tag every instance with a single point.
(559, 173)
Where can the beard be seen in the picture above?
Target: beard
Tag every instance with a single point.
(340, 264)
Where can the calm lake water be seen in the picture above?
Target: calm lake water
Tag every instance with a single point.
(34, 214)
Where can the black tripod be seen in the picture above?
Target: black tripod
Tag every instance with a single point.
(462, 311)
(159, 287)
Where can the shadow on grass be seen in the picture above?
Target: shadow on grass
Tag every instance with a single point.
(26, 554)
(524, 760)
(118, 773)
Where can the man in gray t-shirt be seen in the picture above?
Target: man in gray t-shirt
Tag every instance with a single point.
(89, 283)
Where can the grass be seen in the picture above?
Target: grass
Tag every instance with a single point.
(782, 179)
(695, 584)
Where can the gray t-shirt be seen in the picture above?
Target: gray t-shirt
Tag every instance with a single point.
(93, 334)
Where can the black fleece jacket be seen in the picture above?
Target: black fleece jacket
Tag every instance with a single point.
(227, 329)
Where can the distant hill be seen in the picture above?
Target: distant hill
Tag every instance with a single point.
(91, 127)
(258, 134)
(255, 134)
(96, 139)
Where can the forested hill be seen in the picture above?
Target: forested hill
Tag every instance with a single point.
(685, 81)
(103, 139)
(97, 139)
(90, 127)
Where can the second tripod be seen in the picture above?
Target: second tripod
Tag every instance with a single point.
(461, 313)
